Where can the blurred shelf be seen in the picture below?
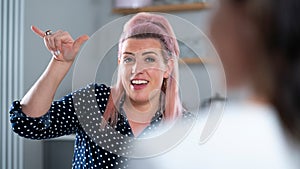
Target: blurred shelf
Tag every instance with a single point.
(195, 60)
(164, 8)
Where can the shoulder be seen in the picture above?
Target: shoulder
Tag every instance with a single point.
(93, 88)
(91, 93)
(98, 87)
(187, 115)
(90, 101)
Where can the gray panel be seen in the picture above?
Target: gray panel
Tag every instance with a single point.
(58, 154)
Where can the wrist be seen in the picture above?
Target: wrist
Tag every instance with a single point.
(58, 69)
(62, 63)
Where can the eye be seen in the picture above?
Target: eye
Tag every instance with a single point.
(128, 60)
(150, 59)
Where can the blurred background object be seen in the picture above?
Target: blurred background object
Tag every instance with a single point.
(132, 3)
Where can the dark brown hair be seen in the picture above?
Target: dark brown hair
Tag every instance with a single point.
(279, 28)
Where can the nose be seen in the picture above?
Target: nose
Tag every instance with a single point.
(137, 67)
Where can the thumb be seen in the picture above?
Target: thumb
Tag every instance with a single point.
(79, 41)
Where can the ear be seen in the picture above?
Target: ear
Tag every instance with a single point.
(169, 68)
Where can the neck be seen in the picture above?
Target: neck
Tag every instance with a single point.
(140, 112)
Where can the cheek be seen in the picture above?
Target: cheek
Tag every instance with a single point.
(124, 75)
(124, 70)
(166, 69)
(157, 75)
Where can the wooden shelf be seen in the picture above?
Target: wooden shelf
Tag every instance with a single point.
(195, 60)
(164, 8)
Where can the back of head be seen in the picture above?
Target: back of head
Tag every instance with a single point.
(278, 27)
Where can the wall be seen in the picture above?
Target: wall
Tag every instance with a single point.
(77, 17)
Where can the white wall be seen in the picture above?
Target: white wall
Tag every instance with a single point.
(77, 17)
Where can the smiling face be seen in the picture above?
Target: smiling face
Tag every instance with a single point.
(143, 68)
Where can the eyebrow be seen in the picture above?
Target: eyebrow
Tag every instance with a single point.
(128, 53)
(149, 52)
(144, 53)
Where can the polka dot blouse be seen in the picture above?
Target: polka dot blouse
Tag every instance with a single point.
(80, 113)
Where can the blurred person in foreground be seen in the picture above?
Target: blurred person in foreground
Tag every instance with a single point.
(257, 41)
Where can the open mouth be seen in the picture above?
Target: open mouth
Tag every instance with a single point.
(139, 84)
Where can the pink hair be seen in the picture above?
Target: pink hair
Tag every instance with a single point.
(146, 25)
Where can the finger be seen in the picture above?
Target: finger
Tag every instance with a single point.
(79, 41)
(64, 39)
(37, 31)
(58, 44)
(50, 43)
(47, 44)
(55, 41)
(58, 40)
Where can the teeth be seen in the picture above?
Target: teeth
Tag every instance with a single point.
(139, 82)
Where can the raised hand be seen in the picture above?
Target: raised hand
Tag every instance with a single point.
(61, 44)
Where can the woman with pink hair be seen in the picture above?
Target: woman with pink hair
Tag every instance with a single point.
(145, 94)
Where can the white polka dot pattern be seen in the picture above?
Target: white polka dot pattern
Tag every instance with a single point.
(80, 113)
(62, 119)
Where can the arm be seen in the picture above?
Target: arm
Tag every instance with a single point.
(61, 119)
(38, 99)
(65, 116)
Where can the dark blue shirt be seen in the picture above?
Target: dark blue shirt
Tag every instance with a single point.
(80, 113)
